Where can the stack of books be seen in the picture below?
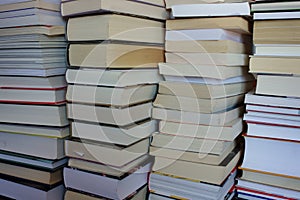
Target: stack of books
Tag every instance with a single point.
(33, 120)
(271, 167)
(200, 104)
(113, 55)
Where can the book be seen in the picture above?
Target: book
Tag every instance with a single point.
(272, 131)
(79, 7)
(30, 37)
(200, 70)
(272, 110)
(108, 187)
(165, 185)
(278, 50)
(262, 114)
(116, 135)
(278, 85)
(110, 96)
(27, 12)
(234, 24)
(208, 59)
(31, 174)
(217, 119)
(170, 3)
(275, 6)
(119, 172)
(113, 27)
(160, 3)
(226, 132)
(47, 72)
(206, 35)
(30, 161)
(273, 65)
(17, 189)
(114, 78)
(34, 114)
(274, 101)
(270, 179)
(203, 46)
(30, 95)
(190, 144)
(205, 10)
(110, 115)
(196, 90)
(77, 195)
(276, 15)
(32, 46)
(195, 157)
(269, 191)
(57, 132)
(19, 5)
(189, 104)
(25, 30)
(37, 146)
(273, 156)
(32, 82)
(106, 153)
(213, 174)
(31, 20)
(106, 55)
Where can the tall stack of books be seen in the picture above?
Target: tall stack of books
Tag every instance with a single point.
(271, 166)
(199, 105)
(114, 51)
(33, 121)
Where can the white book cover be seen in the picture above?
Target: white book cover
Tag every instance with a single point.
(276, 15)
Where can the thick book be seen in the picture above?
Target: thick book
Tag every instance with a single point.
(170, 186)
(272, 179)
(208, 59)
(19, 5)
(195, 157)
(32, 174)
(79, 7)
(31, 161)
(105, 153)
(235, 24)
(47, 115)
(57, 132)
(271, 155)
(190, 144)
(120, 116)
(278, 50)
(20, 189)
(213, 174)
(109, 187)
(273, 65)
(200, 70)
(206, 46)
(113, 78)
(265, 191)
(32, 82)
(110, 96)
(44, 30)
(115, 27)
(211, 10)
(189, 104)
(121, 171)
(217, 119)
(206, 35)
(33, 96)
(274, 101)
(126, 135)
(286, 86)
(38, 146)
(79, 195)
(273, 131)
(196, 90)
(110, 55)
(226, 132)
